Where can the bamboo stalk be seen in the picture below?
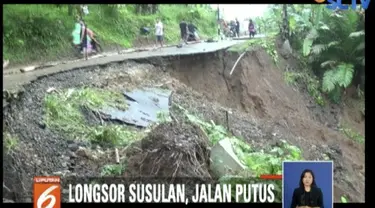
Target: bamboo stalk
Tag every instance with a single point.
(235, 64)
(117, 156)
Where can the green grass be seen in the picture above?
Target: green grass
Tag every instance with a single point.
(113, 170)
(311, 82)
(267, 44)
(64, 113)
(41, 32)
(10, 142)
(353, 135)
(242, 47)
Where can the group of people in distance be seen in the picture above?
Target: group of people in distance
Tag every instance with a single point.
(232, 29)
(188, 32)
(85, 42)
(84, 38)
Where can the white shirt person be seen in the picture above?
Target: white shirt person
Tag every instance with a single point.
(159, 32)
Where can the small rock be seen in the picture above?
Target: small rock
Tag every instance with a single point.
(42, 125)
(64, 164)
(73, 147)
(61, 173)
(70, 141)
(38, 162)
(72, 174)
(83, 152)
(8, 201)
(72, 155)
(94, 157)
(286, 49)
(58, 173)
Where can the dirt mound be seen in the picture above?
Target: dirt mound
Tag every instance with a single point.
(172, 150)
(257, 87)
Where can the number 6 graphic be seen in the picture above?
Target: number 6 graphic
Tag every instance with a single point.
(45, 196)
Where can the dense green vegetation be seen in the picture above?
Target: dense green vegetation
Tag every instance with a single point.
(43, 32)
(330, 43)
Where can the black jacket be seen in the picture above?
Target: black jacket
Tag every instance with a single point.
(314, 198)
(192, 28)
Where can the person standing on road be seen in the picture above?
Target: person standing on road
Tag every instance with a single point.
(159, 32)
(77, 37)
(219, 25)
(94, 43)
(193, 31)
(237, 28)
(184, 31)
(251, 28)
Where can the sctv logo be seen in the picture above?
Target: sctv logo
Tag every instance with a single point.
(337, 4)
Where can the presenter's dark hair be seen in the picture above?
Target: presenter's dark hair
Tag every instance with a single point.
(313, 184)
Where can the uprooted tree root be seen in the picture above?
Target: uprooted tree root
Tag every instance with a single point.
(173, 150)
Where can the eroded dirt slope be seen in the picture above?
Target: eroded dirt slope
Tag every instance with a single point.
(264, 111)
(257, 87)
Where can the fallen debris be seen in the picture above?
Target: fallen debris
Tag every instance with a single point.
(224, 160)
(173, 150)
(143, 107)
(27, 69)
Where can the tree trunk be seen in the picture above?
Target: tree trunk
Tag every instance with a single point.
(138, 8)
(155, 8)
(70, 10)
(285, 23)
(146, 8)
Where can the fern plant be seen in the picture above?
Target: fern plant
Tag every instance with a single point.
(336, 79)
(337, 49)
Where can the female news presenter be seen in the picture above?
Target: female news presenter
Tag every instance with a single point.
(307, 195)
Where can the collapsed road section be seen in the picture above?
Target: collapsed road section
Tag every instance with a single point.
(88, 127)
(143, 107)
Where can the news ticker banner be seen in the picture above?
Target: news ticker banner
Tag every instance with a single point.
(55, 190)
(51, 191)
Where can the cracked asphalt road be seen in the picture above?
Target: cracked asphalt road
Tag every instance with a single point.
(14, 82)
